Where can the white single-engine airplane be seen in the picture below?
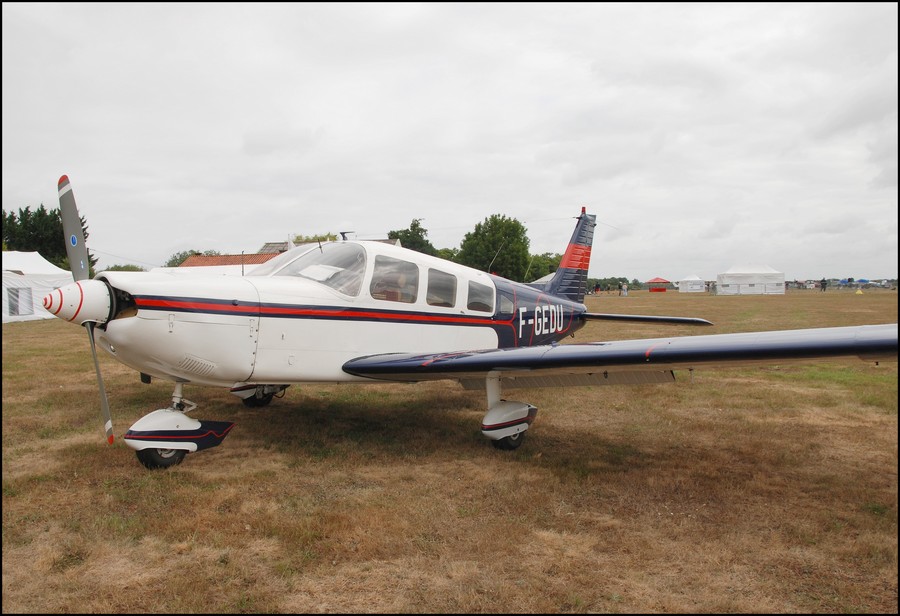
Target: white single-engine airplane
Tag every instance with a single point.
(358, 311)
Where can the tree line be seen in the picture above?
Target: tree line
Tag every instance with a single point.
(498, 245)
(40, 231)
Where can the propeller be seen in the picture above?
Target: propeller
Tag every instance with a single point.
(80, 265)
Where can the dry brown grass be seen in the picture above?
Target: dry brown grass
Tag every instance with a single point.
(766, 489)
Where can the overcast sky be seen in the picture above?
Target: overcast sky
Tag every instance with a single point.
(702, 136)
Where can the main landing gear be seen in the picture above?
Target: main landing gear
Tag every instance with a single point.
(506, 420)
(256, 396)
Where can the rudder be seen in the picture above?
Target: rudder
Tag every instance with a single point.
(570, 280)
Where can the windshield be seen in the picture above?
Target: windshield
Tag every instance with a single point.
(339, 266)
(276, 263)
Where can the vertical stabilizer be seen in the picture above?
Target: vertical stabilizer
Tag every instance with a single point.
(570, 280)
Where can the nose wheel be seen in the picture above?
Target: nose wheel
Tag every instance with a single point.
(509, 443)
(160, 458)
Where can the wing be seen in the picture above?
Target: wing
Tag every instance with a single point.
(630, 361)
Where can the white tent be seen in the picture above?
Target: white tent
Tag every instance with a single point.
(691, 284)
(750, 280)
(27, 278)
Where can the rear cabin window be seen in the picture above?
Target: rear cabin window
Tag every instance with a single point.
(506, 306)
(481, 297)
(441, 289)
(394, 280)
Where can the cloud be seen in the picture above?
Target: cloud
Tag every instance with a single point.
(696, 133)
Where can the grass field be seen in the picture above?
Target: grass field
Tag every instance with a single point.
(743, 489)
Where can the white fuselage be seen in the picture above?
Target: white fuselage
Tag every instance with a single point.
(285, 329)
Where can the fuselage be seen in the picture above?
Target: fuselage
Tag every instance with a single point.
(303, 315)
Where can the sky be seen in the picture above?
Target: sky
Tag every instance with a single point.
(702, 136)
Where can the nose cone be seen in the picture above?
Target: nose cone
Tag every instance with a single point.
(80, 302)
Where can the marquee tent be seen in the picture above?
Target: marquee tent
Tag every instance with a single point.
(27, 278)
(692, 284)
(657, 285)
(750, 280)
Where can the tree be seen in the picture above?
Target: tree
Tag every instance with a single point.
(125, 268)
(541, 265)
(414, 238)
(179, 257)
(450, 254)
(499, 245)
(41, 231)
(312, 239)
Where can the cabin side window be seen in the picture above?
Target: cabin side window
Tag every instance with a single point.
(481, 297)
(441, 289)
(394, 280)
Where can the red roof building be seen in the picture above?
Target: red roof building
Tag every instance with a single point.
(245, 259)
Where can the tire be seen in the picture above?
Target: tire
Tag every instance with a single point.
(255, 402)
(509, 443)
(160, 458)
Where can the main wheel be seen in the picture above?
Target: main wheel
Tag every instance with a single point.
(256, 401)
(160, 458)
(508, 443)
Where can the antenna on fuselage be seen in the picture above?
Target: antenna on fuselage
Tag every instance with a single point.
(344, 234)
(496, 255)
(528, 269)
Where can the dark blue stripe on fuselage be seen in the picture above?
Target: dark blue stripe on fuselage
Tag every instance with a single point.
(510, 328)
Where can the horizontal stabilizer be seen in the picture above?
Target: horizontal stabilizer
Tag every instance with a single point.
(642, 318)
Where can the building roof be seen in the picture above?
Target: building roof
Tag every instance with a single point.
(274, 247)
(245, 259)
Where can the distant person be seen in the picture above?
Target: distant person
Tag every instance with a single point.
(625, 289)
(822, 284)
(620, 288)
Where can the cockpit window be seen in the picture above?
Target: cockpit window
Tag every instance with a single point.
(276, 263)
(336, 265)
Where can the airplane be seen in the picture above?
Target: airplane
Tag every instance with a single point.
(365, 311)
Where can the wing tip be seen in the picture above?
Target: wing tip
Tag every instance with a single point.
(62, 180)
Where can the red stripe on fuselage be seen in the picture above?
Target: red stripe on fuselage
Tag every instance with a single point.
(291, 311)
(201, 306)
(366, 314)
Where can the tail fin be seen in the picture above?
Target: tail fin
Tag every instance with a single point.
(570, 280)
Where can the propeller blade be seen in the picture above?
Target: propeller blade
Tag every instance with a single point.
(74, 231)
(79, 263)
(104, 402)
